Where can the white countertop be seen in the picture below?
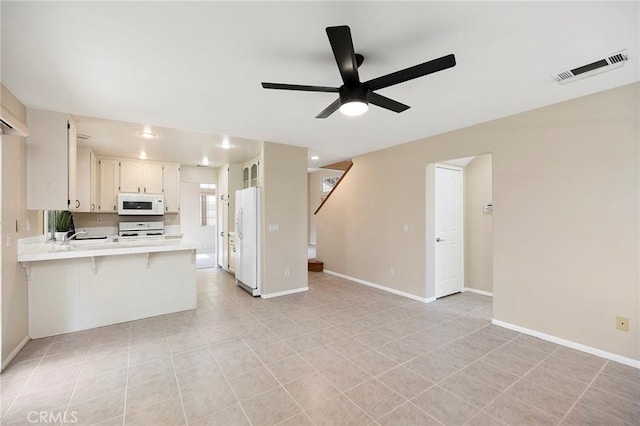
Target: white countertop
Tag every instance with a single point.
(37, 250)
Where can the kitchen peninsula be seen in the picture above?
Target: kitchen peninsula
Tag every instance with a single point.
(85, 285)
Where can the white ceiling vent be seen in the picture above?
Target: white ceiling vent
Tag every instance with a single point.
(612, 62)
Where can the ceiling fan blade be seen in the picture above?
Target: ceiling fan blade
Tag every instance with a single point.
(384, 102)
(412, 72)
(330, 109)
(299, 87)
(342, 46)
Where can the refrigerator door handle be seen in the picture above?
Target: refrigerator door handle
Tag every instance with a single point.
(239, 223)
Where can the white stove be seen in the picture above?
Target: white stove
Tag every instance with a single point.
(140, 229)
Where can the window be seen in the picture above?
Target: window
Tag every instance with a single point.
(207, 204)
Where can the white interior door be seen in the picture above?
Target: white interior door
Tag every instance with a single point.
(448, 231)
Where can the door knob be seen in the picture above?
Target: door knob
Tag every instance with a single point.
(439, 240)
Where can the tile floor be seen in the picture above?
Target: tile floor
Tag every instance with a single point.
(341, 354)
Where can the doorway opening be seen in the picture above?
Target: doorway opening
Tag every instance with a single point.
(198, 217)
(459, 236)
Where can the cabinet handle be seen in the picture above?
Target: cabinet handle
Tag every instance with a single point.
(77, 204)
(93, 207)
(222, 234)
(166, 208)
(145, 189)
(114, 208)
(138, 189)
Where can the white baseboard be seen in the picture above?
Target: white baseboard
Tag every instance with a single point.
(383, 288)
(482, 292)
(568, 343)
(15, 352)
(284, 293)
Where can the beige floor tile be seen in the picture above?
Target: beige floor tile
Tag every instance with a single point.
(399, 351)
(345, 375)
(191, 359)
(476, 392)
(208, 400)
(231, 416)
(612, 405)
(583, 415)
(622, 371)
(156, 369)
(349, 347)
(577, 357)
(445, 406)
(509, 363)
(199, 378)
(321, 357)
(374, 339)
(99, 385)
(52, 398)
(339, 411)
(484, 419)
(252, 383)
(41, 380)
(501, 332)
(374, 362)
(515, 412)
(164, 413)
(519, 351)
(374, 398)
(298, 420)
(469, 347)
(496, 377)
(93, 368)
(618, 386)
(535, 343)
(100, 408)
(553, 403)
(580, 372)
(311, 390)
(405, 382)
(289, 369)
(272, 353)
(436, 365)
(556, 382)
(270, 408)
(408, 415)
(150, 393)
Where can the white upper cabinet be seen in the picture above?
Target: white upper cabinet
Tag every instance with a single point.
(108, 183)
(251, 173)
(51, 162)
(86, 181)
(171, 187)
(140, 176)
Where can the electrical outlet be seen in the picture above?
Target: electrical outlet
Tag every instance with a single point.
(622, 323)
(287, 272)
(405, 227)
(392, 270)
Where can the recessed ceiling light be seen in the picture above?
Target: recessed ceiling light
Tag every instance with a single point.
(315, 157)
(143, 155)
(205, 161)
(225, 144)
(147, 135)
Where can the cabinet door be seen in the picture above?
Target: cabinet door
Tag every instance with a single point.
(130, 176)
(72, 150)
(152, 178)
(171, 187)
(108, 177)
(93, 185)
(82, 202)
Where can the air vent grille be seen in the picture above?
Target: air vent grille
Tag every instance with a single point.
(612, 62)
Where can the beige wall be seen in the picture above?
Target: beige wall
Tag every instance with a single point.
(315, 197)
(284, 183)
(15, 326)
(478, 226)
(566, 235)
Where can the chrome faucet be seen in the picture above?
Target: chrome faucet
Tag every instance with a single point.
(67, 239)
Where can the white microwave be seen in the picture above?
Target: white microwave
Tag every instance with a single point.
(140, 204)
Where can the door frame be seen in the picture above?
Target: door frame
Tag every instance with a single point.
(430, 228)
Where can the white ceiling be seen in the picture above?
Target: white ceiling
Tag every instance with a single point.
(197, 66)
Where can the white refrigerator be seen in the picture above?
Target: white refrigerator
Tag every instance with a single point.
(248, 239)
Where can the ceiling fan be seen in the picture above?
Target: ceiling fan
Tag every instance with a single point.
(354, 95)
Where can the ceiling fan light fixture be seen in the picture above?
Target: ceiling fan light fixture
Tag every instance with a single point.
(354, 108)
